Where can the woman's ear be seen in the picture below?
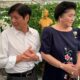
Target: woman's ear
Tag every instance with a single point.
(60, 18)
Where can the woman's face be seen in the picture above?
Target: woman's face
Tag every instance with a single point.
(67, 18)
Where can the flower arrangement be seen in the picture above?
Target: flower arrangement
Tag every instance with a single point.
(3, 25)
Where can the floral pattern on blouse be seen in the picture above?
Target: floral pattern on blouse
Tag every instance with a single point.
(67, 56)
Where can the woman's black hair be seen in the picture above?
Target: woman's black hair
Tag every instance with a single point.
(62, 7)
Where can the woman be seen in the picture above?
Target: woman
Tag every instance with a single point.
(59, 47)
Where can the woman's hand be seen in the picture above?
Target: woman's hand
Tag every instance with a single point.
(71, 69)
(78, 67)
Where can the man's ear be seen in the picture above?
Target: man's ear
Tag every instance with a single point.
(27, 17)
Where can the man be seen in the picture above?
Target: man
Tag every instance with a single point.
(20, 45)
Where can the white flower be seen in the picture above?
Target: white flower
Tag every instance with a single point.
(4, 25)
(5, 17)
(2, 12)
(1, 23)
(75, 34)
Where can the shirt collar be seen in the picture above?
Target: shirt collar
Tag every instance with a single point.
(17, 31)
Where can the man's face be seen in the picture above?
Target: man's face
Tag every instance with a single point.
(18, 21)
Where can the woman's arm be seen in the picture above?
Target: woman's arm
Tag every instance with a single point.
(78, 62)
(69, 68)
(51, 60)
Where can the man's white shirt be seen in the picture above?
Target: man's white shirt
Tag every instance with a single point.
(13, 43)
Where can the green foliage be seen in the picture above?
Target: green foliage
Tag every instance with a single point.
(37, 13)
(77, 20)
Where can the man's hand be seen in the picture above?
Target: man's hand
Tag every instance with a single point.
(31, 54)
(28, 55)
